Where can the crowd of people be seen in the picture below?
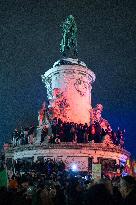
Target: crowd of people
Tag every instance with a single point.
(42, 166)
(59, 187)
(23, 136)
(49, 165)
(68, 132)
(81, 133)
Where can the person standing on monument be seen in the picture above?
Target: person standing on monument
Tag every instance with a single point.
(42, 114)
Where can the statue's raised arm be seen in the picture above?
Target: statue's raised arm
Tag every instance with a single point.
(68, 44)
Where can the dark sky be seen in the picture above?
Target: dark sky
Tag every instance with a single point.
(29, 45)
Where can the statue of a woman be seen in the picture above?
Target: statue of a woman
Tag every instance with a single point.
(69, 36)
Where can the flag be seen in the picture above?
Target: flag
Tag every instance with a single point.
(3, 178)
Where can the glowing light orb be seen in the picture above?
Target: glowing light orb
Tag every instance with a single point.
(74, 167)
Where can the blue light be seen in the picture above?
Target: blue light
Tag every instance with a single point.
(74, 167)
(124, 174)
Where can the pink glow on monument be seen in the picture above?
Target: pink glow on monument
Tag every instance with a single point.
(77, 107)
(69, 92)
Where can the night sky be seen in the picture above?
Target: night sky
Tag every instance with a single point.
(29, 45)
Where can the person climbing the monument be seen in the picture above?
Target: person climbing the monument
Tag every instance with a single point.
(42, 114)
(44, 133)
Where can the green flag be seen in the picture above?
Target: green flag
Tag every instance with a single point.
(3, 178)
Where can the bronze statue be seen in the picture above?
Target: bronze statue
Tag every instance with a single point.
(69, 37)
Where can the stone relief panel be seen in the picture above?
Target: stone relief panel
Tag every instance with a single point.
(81, 86)
(59, 104)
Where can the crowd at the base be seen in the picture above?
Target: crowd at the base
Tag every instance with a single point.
(42, 166)
(49, 165)
(68, 132)
(59, 187)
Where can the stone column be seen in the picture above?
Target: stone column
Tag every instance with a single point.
(69, 85)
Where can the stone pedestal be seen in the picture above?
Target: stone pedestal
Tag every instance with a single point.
(69, 85)
(70, 153)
